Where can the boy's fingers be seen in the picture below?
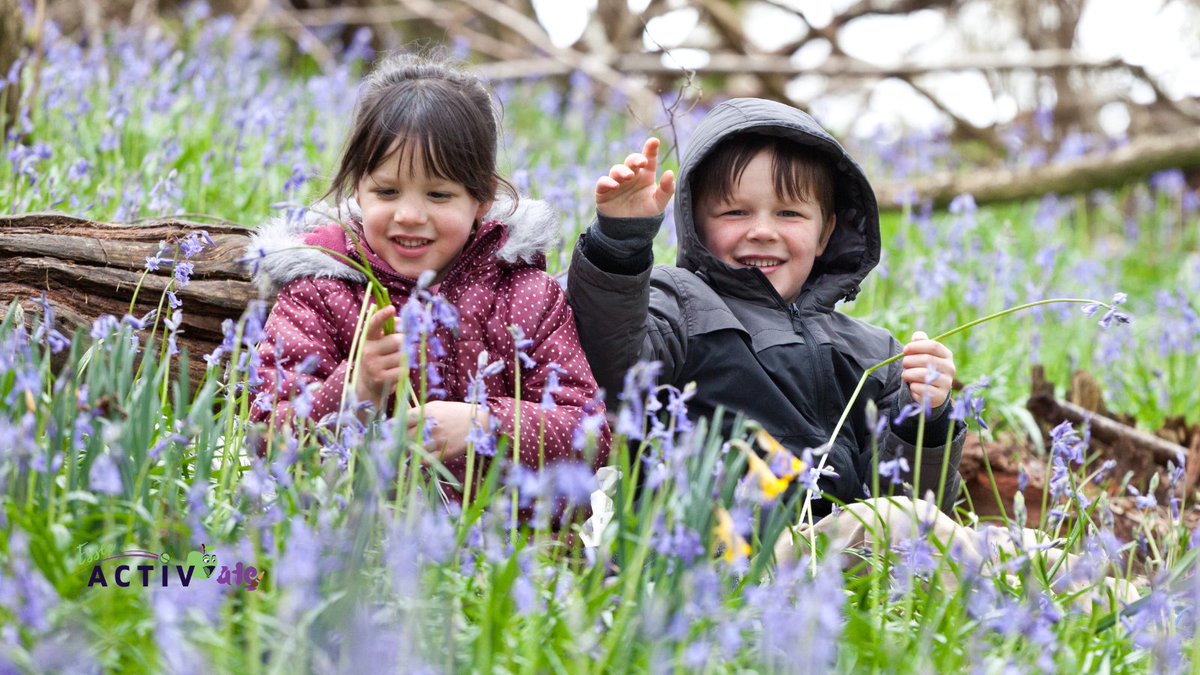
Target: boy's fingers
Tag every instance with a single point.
(635, 160)
(620, 172)
(606, 184)
(667, 184)
(919, 335)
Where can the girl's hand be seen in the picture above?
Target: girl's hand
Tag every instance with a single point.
(633, 189)
(382, 360)
(451, 423)
(922, 355)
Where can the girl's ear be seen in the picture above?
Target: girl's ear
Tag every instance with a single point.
(827, 233)
(484, 207)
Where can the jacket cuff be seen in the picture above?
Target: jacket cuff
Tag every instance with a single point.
(621, 245)
(937, 423)
(932, 458)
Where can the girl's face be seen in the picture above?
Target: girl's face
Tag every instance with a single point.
(415, 221)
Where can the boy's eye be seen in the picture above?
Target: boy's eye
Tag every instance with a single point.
(790, 214)
(440, 196)
(734, 212)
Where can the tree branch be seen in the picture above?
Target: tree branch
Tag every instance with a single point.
(1134, 161)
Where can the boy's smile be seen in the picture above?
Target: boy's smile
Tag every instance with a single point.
(758, 228)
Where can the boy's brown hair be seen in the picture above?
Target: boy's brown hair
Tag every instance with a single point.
(799, 172)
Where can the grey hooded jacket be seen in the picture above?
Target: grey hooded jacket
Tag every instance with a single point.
(792, 368)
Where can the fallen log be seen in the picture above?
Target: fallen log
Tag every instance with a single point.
(1140, 158)
(87, 269)
(1045, 407)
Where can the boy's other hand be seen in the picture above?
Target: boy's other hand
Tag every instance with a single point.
(922, 357)
(451, 424)
(382, 359)
(633, 189)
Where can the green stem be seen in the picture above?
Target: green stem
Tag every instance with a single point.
(807, 501)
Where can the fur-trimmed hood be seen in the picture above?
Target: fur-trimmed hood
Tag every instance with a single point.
(277, 257)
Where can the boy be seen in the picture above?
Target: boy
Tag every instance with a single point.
(776, 224)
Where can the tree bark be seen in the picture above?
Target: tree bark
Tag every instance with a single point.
(88, 269)
(1134, 161)
(11, 39)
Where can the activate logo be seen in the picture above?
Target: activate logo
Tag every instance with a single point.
(200, 564)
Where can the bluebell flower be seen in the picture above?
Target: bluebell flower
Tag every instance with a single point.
(574, 481)
(908, 411)
(894, 470)
(104, 477)
(1144, 502)
(183, 273)
(551, 387)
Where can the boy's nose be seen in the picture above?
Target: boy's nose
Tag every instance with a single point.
(760, 230)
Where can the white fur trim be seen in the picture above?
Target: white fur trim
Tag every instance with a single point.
(532, 229)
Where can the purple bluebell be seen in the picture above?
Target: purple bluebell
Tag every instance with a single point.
(894, 470)
(551, 387)
(1145, 502)
(681, 542)
(104, 477)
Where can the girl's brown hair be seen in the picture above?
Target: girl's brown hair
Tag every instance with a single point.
(424, 103)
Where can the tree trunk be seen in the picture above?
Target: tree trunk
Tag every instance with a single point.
(1135, 161)
(11, 39)
(88, 269)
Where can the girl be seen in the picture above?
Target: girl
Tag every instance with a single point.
(418, 180)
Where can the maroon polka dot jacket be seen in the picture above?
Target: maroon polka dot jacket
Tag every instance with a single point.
(498, 281)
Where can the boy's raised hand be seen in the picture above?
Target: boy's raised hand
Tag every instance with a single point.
(633, 189)
(922, 356)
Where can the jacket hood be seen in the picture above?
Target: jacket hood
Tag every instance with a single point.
(853, 248)
(524, 233)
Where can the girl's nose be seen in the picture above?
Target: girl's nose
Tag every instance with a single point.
(408, 212)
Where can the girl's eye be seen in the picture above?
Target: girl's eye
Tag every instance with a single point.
(385, 193)
(440, 196)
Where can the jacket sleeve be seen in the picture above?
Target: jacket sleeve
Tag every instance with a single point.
(901, 441)
(548, 431)
(302, 324)
(623, 319)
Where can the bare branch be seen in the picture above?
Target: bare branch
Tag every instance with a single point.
(529, 30)
(840, 67)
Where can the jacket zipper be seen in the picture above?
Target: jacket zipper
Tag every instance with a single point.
(811, 362)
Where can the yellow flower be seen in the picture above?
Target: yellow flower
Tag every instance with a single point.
(735, 547)
(778, 457)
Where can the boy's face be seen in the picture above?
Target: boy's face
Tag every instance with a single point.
(758, 228)
(415, 221)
